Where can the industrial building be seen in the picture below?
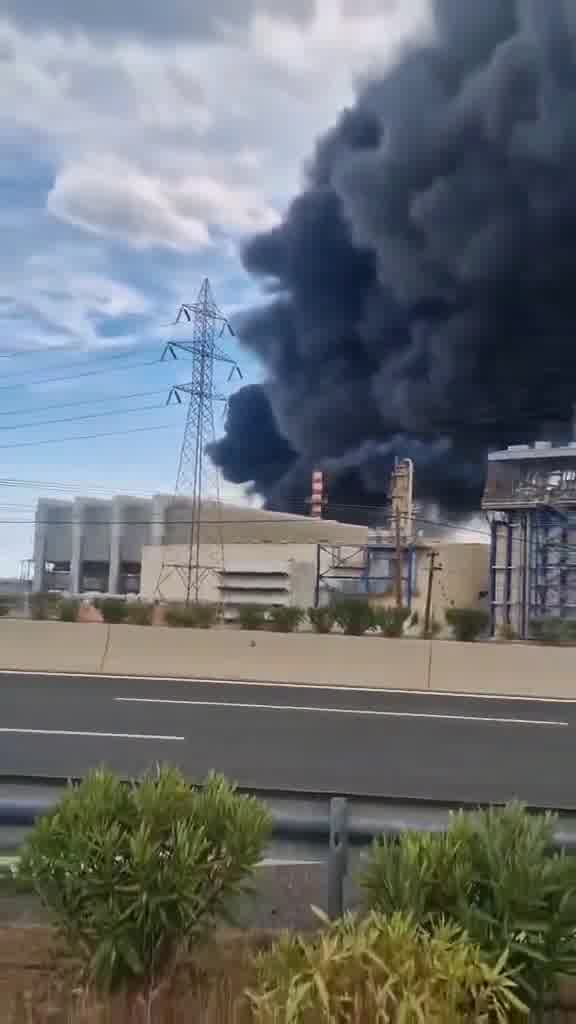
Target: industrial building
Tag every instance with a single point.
(134, 546)
(530, 498)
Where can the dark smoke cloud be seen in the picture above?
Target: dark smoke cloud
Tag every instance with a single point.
(425, 280)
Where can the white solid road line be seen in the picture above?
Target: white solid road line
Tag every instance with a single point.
(294, 686)
(96, 735)
(338, 711)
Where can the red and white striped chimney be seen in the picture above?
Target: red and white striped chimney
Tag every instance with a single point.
(317, 500)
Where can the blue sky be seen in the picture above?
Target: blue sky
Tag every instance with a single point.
(140, 143)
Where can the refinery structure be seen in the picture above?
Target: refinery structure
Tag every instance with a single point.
(530, 498)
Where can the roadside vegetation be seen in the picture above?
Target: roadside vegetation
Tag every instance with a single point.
(475, 925)
(351, 616)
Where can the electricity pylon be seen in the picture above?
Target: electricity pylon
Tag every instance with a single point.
(197, 475)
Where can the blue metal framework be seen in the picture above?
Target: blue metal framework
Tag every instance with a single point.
(537, 577)
(374, 578)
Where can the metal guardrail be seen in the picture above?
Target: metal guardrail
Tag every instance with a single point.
(324, 826)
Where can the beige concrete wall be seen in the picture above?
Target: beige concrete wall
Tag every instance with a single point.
(298, 560)
(263, 657)
(491, 668)
(462, 581)
(514, 669)
(51, 646)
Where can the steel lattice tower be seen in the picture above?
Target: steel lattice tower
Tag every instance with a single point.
(197, 476)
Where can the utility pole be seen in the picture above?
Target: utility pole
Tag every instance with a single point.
(401, 494)
(432, 568)
(398, 565)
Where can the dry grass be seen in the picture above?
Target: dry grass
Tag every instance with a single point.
(39, 984)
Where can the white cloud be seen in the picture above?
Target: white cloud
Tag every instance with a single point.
(157, 144)
(112, 198)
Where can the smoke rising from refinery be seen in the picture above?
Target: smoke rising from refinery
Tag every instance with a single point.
(424, 281)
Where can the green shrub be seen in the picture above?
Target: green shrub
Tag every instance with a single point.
(507, 633)
(553, 631)
(391, 621)
(191, 616)
(493, 875)
(139, 613)
(467, 624)
(68, 610)
(135, 875)
(382, 970)
(44, 606)
(5, 607)
(322, 619)
(354, 616)
(114, 610)
(251, 616)
(286, 619)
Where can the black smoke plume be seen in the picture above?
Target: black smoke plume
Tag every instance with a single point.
(425, 279)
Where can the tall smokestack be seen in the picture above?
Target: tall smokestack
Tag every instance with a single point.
(317, 499)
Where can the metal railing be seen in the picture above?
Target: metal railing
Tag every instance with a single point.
(321, 827)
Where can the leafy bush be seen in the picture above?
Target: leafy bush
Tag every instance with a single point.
(381, 970)
(391, 621)
(135, 875)
(251, 616)
(322, 619)
(44, 605)
(191, 616)
(553, 630)
(114, 610)
(493, 875)
(467, 624)
(5, 607)
(286, 619)
(139, 613)
(68, 610)
(354, 616)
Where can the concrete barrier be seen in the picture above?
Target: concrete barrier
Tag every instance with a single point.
(268, 657)
(445, 666)
(51, 646)
(526, 670)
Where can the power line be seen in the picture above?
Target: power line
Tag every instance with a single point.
(85, 373)
(101, 358)
(87, 416)
(48, 349)
(84, 401)
(85, 437)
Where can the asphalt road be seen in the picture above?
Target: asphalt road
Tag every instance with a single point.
(395, 744)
